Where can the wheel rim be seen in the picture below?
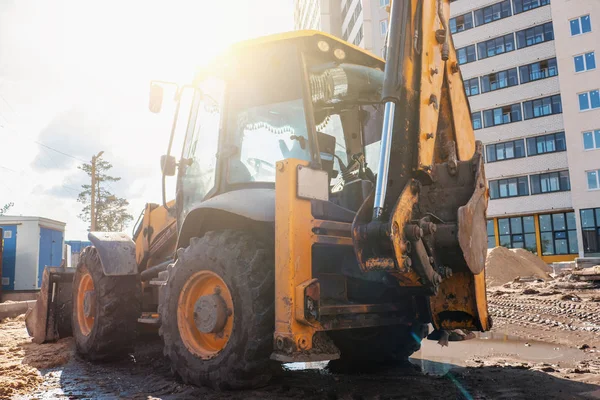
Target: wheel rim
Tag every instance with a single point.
(205, 314)
(85, 293)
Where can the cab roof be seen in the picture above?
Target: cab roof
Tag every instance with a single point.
(307, 35)
(308, 40)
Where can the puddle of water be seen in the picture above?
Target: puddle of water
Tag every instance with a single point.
(297, 366)
(437, 360)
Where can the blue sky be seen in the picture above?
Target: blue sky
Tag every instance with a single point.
(74, 76)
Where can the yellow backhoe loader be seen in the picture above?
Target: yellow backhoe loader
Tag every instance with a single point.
(329, 206)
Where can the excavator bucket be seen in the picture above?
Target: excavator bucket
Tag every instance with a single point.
(50, 318)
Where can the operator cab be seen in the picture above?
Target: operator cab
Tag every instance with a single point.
(303, 95)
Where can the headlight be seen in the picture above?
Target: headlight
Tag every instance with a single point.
(323, 46)
(339, 54)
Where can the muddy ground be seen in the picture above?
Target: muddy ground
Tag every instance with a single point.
(542, 346)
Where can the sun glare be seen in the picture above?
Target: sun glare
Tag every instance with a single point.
(163, 42)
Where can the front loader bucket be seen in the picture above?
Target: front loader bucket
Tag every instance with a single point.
(50, 318)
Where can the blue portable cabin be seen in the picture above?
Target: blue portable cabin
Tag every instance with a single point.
(30, 244)
(75, 247)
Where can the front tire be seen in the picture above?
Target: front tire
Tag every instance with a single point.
(105, 310)
(217, 314)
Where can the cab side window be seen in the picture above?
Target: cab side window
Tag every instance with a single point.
(202, 142)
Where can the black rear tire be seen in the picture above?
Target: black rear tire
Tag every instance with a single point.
(117, 308)
(368, 349)
(246, 266)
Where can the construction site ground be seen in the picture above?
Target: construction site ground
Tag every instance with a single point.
(545, 344)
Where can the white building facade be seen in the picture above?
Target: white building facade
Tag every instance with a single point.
(577, 41)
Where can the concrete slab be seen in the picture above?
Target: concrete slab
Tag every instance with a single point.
(16, 308)
(19, 296)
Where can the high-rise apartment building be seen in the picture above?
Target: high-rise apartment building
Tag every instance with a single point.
(513, 58)
(321, 15)
(361, 22)
(508, 61)
(577, 42)
(364, 23)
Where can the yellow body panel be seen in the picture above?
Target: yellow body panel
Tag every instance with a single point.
(432, 77)
(156, 240)
(293, 242)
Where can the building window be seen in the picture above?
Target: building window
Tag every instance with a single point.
(542, 107)
(461, 23)
(589, 100)
(382, 3)
(492, 13)
(550, 182)
(466, 54)
(593, 177)
(345, 9)
(511, 187)
(590, 230)
(580, 25)
(352, 22)
(494, 47)
(538, 70)
(383, 26)
(491, 234)
(502, 115)
(537, 34)
(520, 6)
(591, 140)
(499, 80)
(359, 37)
(558, 234)
(476, 118)
(505, 151)
(551, 143)
(518, 233)
(472, 86)
(585, 62)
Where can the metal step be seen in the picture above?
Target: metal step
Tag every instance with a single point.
(150, 319)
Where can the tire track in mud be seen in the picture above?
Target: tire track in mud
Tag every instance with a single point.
(545, 316)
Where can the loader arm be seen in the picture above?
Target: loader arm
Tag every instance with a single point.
(425, 221)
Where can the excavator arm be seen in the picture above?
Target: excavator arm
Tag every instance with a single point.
(425, 221)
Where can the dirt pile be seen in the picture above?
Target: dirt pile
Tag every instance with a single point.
(20, 359)
(505, 265)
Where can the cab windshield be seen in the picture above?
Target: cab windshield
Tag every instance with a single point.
(267, 120)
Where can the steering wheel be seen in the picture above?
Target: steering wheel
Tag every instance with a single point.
(258, 163)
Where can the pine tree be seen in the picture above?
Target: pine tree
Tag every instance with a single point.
(111, 211)
(4, 209)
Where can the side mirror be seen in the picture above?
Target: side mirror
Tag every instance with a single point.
(168, 165)
(156, 98)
